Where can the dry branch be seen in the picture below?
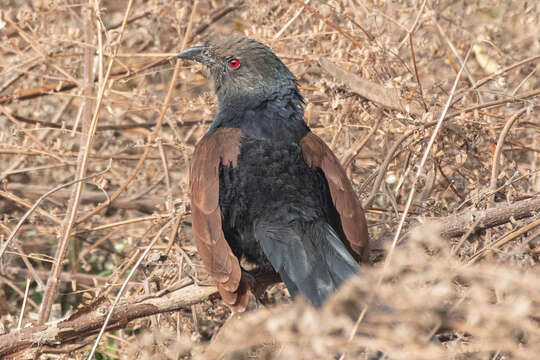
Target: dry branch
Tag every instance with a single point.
(90, 120)
(474, 220)
(387, 97)
(87, 279)
(24, 343)
(146, 125)
(65, 86)
(36, 204)
(146, 204)
(392, 98)
(334, 26)
(117, 71)
(457, 225)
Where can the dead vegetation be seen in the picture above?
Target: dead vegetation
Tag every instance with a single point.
(91, 90)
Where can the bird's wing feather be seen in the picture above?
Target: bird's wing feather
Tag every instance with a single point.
(318, 155)
(219, 147)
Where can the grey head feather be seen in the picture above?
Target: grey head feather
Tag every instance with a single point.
(260, 71)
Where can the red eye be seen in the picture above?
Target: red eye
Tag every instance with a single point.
(234, 63)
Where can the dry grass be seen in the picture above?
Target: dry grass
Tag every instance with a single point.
(481, 307)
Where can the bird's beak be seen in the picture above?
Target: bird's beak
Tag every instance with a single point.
(194, 53)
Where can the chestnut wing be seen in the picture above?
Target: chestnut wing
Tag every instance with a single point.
(353, 221)
(219, 147)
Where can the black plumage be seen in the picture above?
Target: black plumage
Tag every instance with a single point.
(264, 187)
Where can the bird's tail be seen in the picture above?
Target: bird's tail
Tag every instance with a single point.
(308, 255)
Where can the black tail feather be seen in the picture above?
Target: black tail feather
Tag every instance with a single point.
(309, 256)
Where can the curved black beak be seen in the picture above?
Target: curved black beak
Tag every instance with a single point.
(194, 53)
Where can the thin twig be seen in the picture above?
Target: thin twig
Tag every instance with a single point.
(329, 23)
(359, 144)
(43, 197)
(489, 104)
(23, 307)
(382, 169)
(143, 157)
(413, 27)
(124, 285)
(90, 248)
(40, 145)
(462, 62)
(90, 130)
(27, 204)
(449, 182)
(29, 266)
(218, 15)
(413, 56)
(288, 23)
(522, 82)
(123, 223)
(42, 136)
(100, 128)
(169, 202)
(29, 65)
(409, 199)
(500, 72)
(498, 151)
(503, 240)
(465, 236)
(422, 163)
(173, 234)
(68, 276)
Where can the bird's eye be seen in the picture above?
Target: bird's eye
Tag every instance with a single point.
(234, 63)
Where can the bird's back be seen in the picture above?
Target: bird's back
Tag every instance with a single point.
(278, 211)
(273, 182)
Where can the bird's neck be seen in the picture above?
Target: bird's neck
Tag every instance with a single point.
(274, 114)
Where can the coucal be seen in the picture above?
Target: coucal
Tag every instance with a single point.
(264, 188)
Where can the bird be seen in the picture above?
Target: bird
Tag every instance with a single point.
(266, 190)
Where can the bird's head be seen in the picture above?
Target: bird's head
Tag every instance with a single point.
(242, 68)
